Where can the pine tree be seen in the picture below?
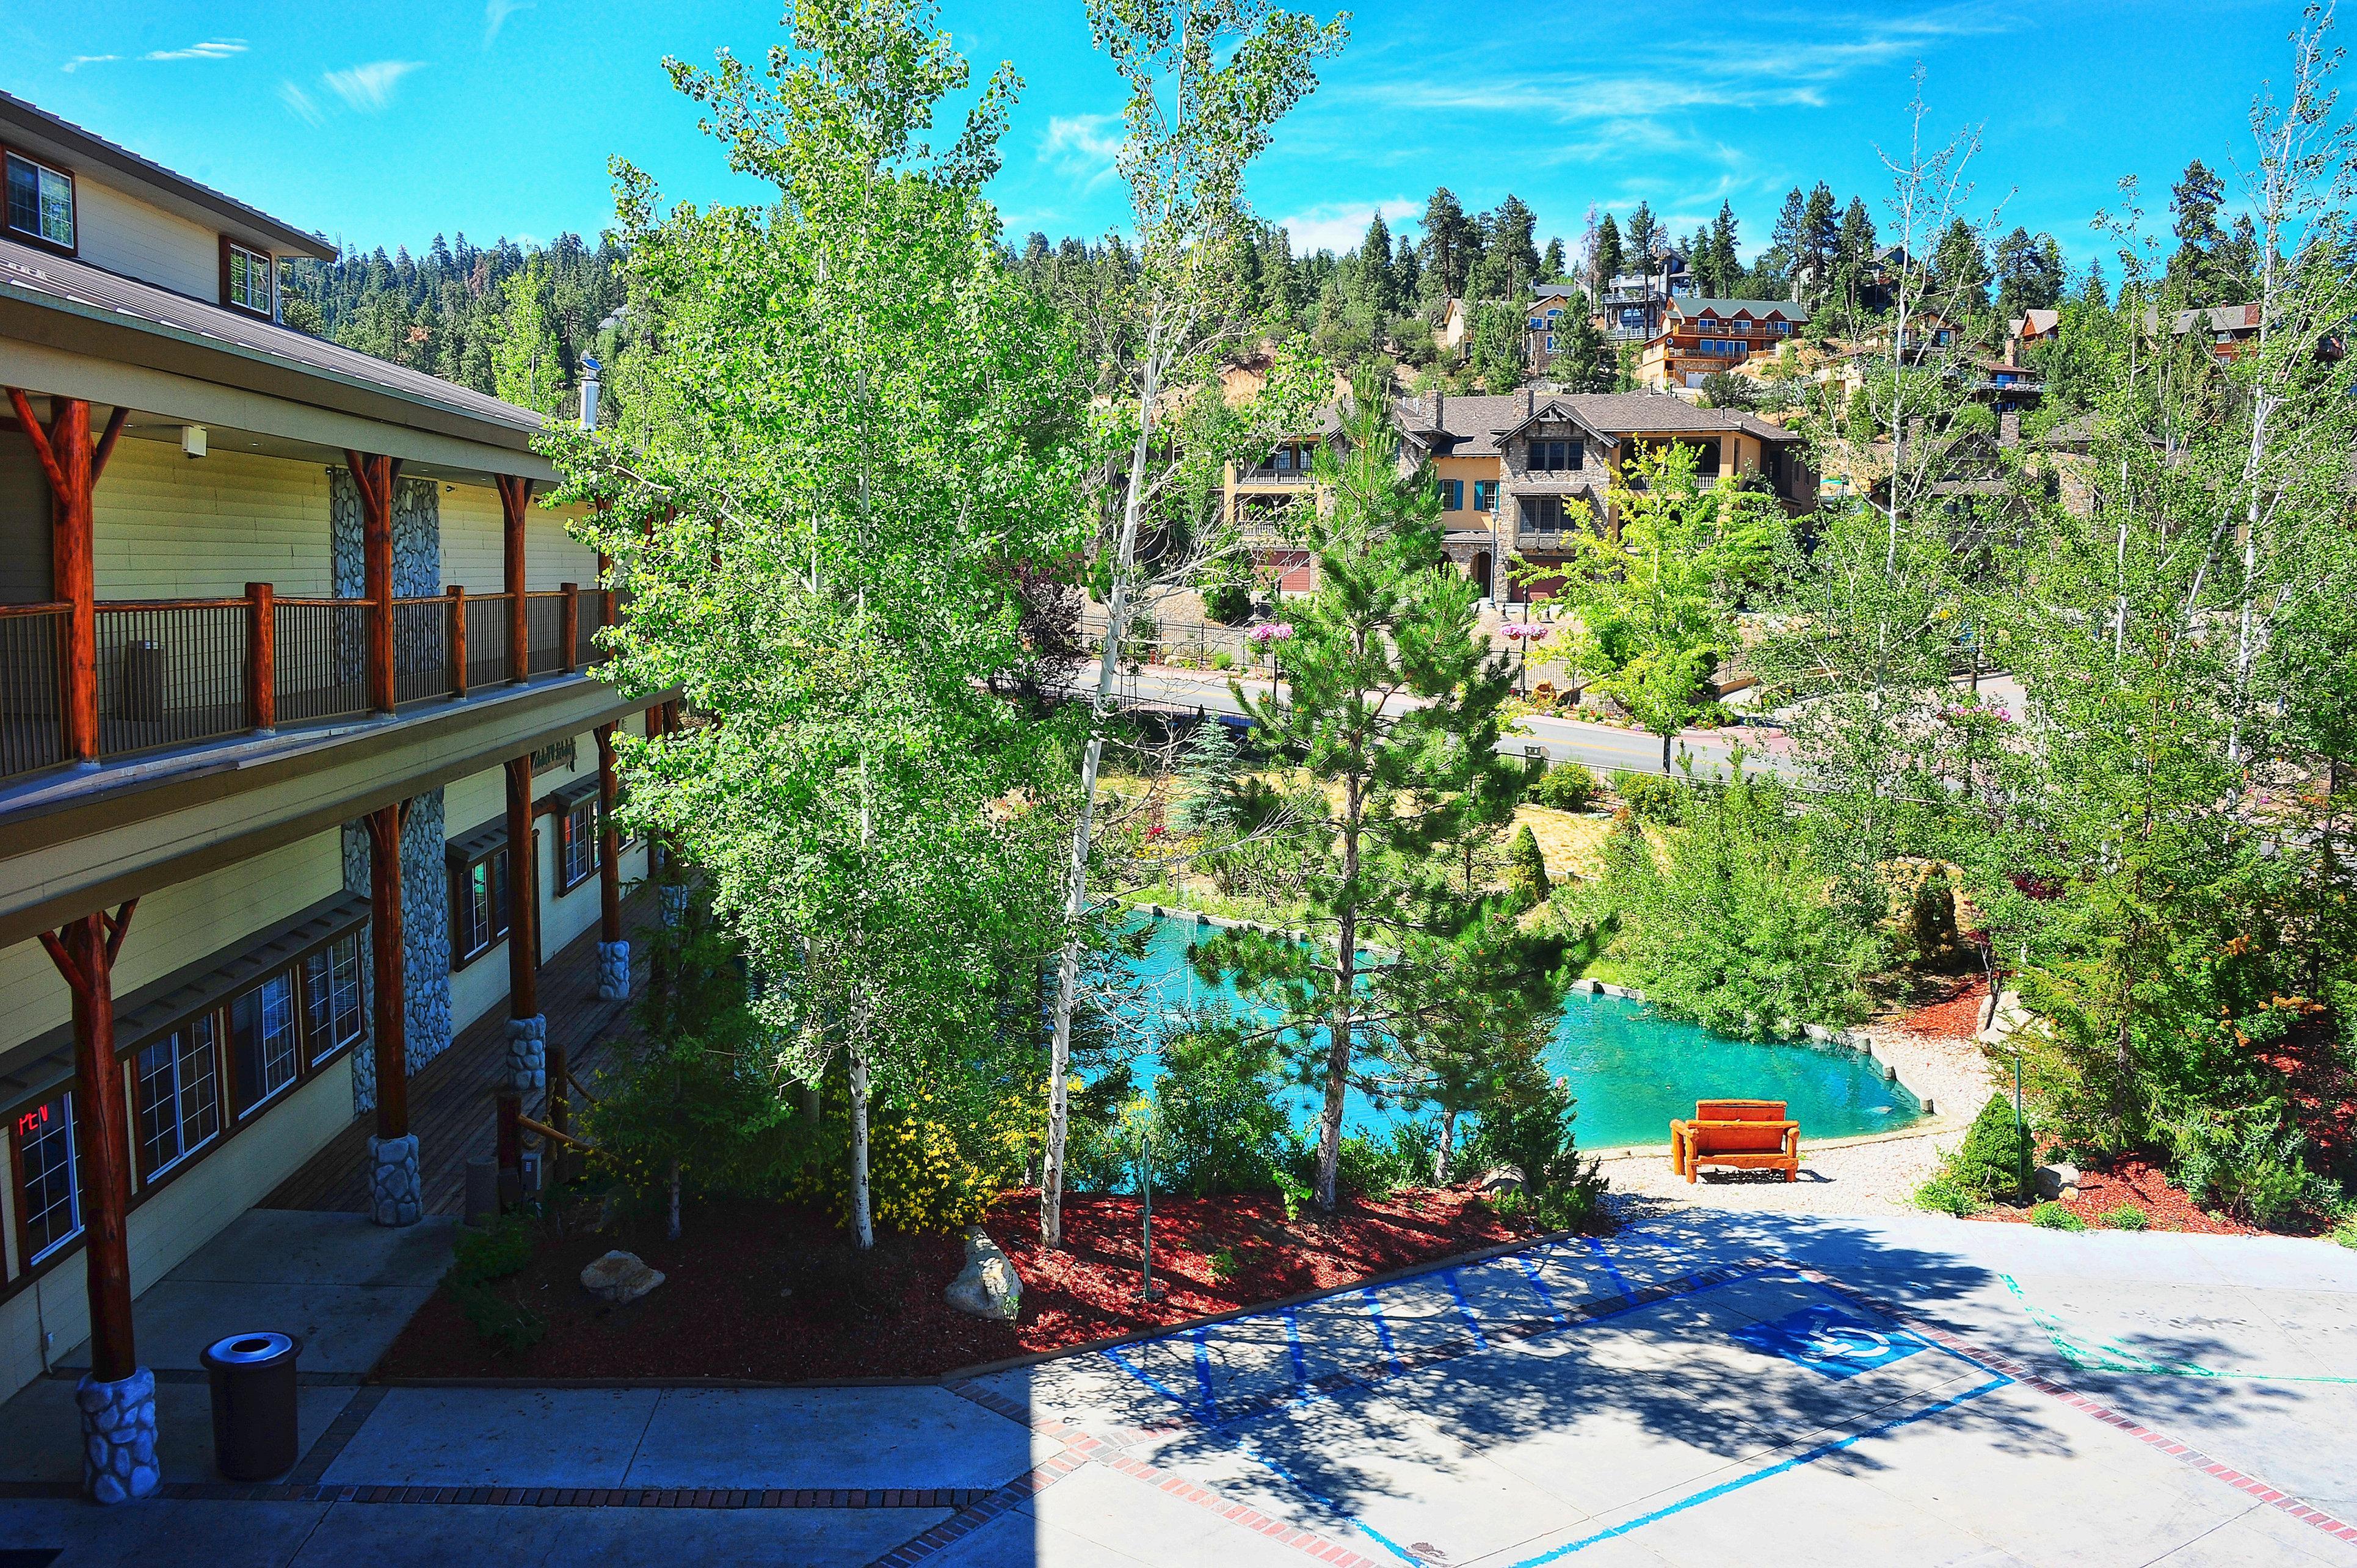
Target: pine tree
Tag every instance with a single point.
(1788, 242)
(1448, 249)
(1377, 293)
(1552, 268)
(1607, 262)
(1820, 234)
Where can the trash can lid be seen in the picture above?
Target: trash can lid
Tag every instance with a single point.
(243, 1349)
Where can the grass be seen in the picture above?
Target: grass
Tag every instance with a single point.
(2127, 1217)
(1944, 1194)
(2052, 1216)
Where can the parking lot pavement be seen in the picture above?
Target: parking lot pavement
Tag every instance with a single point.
(1702, 1388)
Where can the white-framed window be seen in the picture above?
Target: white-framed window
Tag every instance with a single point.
(49, 1190)
(264, 1044)
(479, 905)
(40, 202)
(331, 990)
(176, 1086)
(577, 848)
(1485, 495)
(253, 279)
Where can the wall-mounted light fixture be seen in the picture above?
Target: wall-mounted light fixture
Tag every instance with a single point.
(192, 440)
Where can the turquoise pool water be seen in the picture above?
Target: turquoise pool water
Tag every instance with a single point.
(1630, 1069)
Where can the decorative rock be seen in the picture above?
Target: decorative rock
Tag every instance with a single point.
(395, 1194)
(613, 971)
(1500, 1178)
(2058, 1181)
(1818, 1032)
(672, 904)
(528, 1053)
(118, 1437)
(988, 1285)
(620, 1277)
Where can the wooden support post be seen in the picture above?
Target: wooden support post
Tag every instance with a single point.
(569, 634)
(385, 951)
(84, 950)
(262, 657)
(516, 496)
(609, 843)
(375, 477)
(457, 641)
(524, 895)
(63, 451)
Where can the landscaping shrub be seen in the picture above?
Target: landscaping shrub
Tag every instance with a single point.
(1528, 1125)
(2250, 1162)
(1222, 659)
(1228, 602)
(1943, 1194)
(2127, 1217)
(500, 1250)
(1994, 1158)
(2345, 1233)
(1652, 797)
(1566, 787)
(2051, 1216)
(1219, 1125)
(1526, 871)
(919, 1179)
(1728, 926)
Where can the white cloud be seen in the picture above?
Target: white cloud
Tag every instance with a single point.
(1082, 146)
(495, 16)
(368, 88)
(295, 99)
(1338, 226)
(79, 60)
(212, 49)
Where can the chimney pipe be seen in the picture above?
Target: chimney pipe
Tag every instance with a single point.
(589, 392)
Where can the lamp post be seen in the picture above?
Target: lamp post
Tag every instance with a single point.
(1522, 634)
(1270, 634)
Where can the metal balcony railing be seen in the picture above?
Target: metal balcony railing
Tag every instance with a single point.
(179, 672)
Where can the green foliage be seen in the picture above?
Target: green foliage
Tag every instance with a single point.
(1229, 602)
(1651, 797)
(1943, 1194)
(1729, 927)
(2127, 1217)
(2345, 1232)
(2050, 1216)
(1566, 787)
(1220, 1124)
(1526, 872)
(1994, 1159)
(501, 1249)
(1528, 1125)
(2249, 1161)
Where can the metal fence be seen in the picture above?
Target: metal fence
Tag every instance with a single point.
(322, 661)
(543, 625)
(421, 649)
(170, 674)
(32, 688)
(487, 639)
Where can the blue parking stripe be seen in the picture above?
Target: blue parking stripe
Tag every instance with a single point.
(1293, 1345)
(1610, 1268)
(1795, 1463)
(1539, 1288)
(1383, 1329)
(1465, 1309)
(1113, 1354)
(1202, 1338)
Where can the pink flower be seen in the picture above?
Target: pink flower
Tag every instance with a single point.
(1268, 631)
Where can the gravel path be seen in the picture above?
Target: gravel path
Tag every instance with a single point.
(1865, 1176)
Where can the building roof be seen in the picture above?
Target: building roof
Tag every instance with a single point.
(42, 134)
(1477, 422)
(2038, 322)
(1696, 305)
(245, 350)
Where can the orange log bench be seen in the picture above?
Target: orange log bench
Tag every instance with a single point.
(1753, 1134)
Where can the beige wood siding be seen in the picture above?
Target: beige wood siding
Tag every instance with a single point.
(176, 926)
(173, 527)
(474, 548)
(125, 235)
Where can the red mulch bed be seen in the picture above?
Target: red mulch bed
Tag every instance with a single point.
(774, 1292)
(2166, 1206)
(1955, 1017)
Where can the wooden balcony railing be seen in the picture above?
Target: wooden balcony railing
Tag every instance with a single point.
(179, 672)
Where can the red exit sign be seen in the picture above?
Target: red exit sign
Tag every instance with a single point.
(32, 1121)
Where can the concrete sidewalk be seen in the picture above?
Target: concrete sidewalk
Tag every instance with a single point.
(1705, 1388)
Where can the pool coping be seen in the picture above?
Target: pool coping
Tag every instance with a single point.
(1857, 1040)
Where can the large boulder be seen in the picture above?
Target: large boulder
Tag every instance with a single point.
(988, 1285)
(620, 1277)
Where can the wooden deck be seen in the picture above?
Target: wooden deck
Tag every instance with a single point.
(451, 1099)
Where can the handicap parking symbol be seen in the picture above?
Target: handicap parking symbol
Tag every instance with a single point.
(1826, 1339)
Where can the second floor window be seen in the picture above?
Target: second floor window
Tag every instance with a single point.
(40, 202)
(251, 274)
(578, 846)
(1544, 513)
(1552, 456)
(1485, 495)
(1452, 495)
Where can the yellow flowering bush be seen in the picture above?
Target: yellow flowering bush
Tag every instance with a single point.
(919, 1177)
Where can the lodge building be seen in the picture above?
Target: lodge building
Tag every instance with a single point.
(291, 661)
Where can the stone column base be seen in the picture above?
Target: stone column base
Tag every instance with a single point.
(672, 903)
(528, 1053)
(396, 1196)
(118, 1437)
(613, 971)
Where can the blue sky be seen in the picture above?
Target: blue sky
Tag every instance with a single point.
(383, 124)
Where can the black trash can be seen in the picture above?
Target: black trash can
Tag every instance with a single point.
(253, 1404)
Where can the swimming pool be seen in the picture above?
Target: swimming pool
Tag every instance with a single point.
(1629, 1069)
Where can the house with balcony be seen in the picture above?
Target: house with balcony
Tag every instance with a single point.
(292, 669)
(1632, 304)
(1520, 475)
(1699, 336)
